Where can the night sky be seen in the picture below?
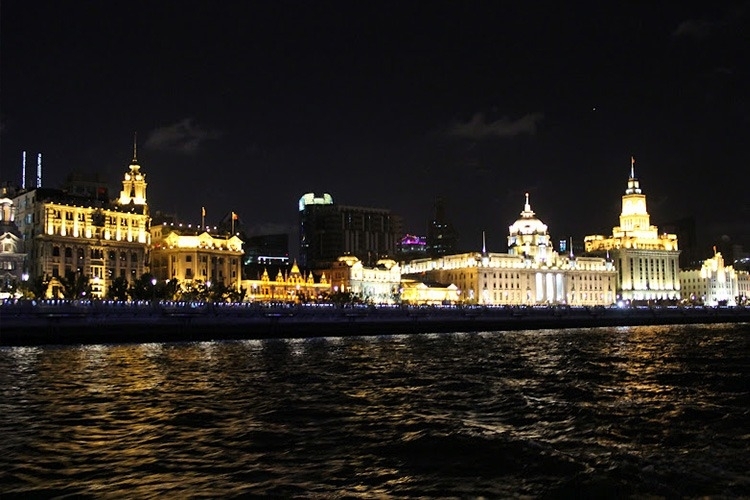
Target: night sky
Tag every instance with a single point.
(246, 106)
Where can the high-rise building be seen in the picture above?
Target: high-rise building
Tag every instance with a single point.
(329, 231)
(81, 233)
(442, 238)
(647, 261)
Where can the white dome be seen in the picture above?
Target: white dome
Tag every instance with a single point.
(528, 223)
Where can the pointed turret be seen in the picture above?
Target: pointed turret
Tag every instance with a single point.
(134, 183)
(633, 184)
(634, 216)
(528, 235)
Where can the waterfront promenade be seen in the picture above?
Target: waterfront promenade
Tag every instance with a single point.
(74, 322)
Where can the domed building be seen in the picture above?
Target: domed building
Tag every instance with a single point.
(531, 273)
(528, 236)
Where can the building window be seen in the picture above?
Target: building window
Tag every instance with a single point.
(55, 251)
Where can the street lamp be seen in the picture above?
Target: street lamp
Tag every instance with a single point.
(153, 289)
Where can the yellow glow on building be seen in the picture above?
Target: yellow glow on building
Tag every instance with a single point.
(714, 283)
(195, 256)
(646, 261)
(292, 286)
(379, 284)
(530, 273)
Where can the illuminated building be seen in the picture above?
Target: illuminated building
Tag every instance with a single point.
(714, 283)
(194, 256)
(379, 284)
(11, 248)
(328, 231)
(419, 292)
(647, 262)
(290, 286)
(530, 273)
(75, 232)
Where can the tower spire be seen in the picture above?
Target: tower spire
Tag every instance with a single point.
(135, 147)
(632, 167)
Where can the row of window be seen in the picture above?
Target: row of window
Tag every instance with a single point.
(95, 253)
(81, 217)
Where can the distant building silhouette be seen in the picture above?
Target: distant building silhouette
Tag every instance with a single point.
(684, 228)
(411, 247)
(267, 249)
(442, 238)
(329, 231)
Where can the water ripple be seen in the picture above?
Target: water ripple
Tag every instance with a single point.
(603, 412)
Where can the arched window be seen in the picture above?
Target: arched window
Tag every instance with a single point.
(55, 251)
(68, 252)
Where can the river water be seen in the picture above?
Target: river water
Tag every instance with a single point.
(600, 412)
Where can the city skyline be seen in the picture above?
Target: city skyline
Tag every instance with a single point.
(246, 108)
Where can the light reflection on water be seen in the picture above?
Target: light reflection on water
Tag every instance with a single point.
(599, 412)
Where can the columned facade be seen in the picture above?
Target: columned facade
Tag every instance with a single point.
(531, 273)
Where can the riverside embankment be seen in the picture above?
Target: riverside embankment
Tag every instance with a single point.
(85, 322)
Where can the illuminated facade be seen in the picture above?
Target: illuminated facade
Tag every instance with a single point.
(714, 283)
(291, 286)
(193, 256)
(647, 262)
(530, 273)
(379, 284)
(418, 292)
(67, 232)
(11, 249)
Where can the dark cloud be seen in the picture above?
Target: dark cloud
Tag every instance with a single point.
(182, 137)
(694, 28)
(477, 128)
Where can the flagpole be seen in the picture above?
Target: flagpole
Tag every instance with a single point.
(232, 223)
(203, 218)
